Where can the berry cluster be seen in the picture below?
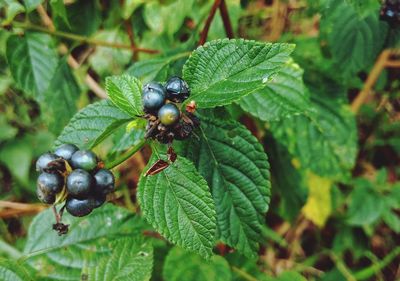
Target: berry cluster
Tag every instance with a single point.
(390, 12)
(165, 121)
(75, 175)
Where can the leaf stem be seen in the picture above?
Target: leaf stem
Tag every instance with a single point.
(243, 274)
(9, 250)
(79, 38)
(126, 155)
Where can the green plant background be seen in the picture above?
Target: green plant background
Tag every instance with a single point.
(277, 133)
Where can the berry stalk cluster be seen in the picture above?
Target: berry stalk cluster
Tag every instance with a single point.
(75, 175)
(166, 121)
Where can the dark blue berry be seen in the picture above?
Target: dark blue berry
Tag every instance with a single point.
(98, 200)
(79, 183)
(84, 159)
(177, 89)
(45, 197)
(104, 182)
(44, 160)
(50, 183)
(169, 114)
(153, 96)
(79, 207)
(65, 151)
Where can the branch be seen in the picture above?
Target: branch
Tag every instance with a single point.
(13, 209)
(126, 155)
(129, 30)
(79, 38)
(371, 80)
(204, 32)
(226, 20)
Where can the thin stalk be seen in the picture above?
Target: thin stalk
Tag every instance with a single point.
(126, 155)
(79, 38)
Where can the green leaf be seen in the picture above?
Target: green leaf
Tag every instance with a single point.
(392, 220)
(366, 206)
(130, 259)
(16, 155)
(92, 124)
(61, 97)
(223, 71)
(84, 18)
(32, 4)
(283, 96)
(180, 263)
(87, 242)
(11, 270)
(126, 92)
(33, 62)
(13, 8)
(354, 41)
(58, 9)
(178, 203)
(158, 16)
(108, 61)
(155, 69)
(287, 181)
(324, 141)
(6, 130)
(235, 166)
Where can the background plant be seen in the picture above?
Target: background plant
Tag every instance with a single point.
(330, 180)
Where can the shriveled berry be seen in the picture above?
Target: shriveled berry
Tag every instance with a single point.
(169, 114)
(79, 207)
(50, 183)
(104, 182)
(79, 183)
(66, 151)
(44, 160)
(45, 197)
(153, 96)
(177, 89)
(84, 159)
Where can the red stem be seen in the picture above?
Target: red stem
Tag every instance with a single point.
(226, 20)
(204, 32)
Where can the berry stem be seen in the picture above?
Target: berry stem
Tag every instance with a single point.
(126, 155)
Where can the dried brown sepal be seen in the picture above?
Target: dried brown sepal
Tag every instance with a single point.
(171, 154)
(157, 167)
(61, 228)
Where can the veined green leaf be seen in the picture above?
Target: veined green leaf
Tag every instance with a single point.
(93, 124)
(126, 92)
(87, 242)
(60, 99)
(178, 203)
(237, 170)
(11, 270)
(33, 62)
(284, 95)
(130, 259)
(223, 71)
(180, 263)
(324, 141)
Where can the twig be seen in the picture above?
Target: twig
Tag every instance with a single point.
(226, 20)
(204, 32)
(129, 30)
(393, 63)
(72, 62)
(79, 38)
(371, 80)
(243, 274)
(127, 155)
(13, 209)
